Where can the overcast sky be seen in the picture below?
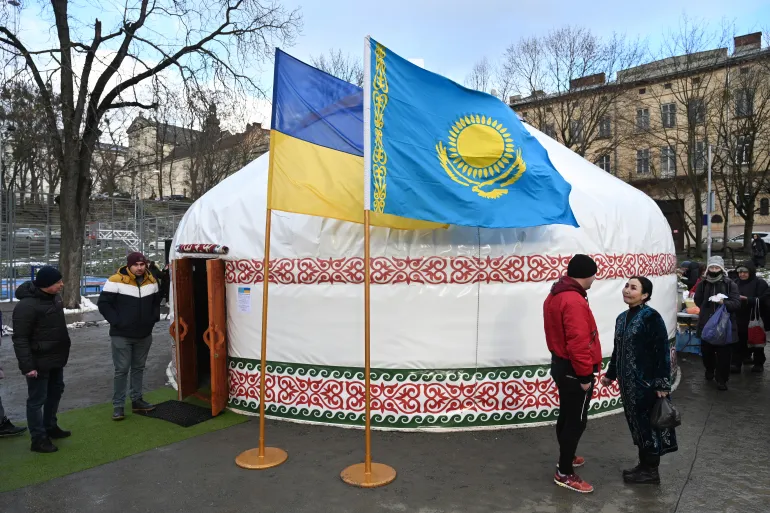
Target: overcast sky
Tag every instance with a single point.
(450, 35)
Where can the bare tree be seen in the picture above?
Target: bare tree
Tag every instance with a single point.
(674, 118)
(30, 157)
(206, 154)
(742, 155)
(217, 42)
(481, 76)
(559, 73)
(111, 162)
(341, 66)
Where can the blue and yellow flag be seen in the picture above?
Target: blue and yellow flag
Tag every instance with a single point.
(316, 147)
(440, 152)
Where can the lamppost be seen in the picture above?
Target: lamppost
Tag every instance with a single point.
(710, 204)
(708, 212)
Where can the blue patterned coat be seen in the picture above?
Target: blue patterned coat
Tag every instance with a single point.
(641, 362)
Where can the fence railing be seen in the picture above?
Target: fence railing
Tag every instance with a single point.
(30, 236)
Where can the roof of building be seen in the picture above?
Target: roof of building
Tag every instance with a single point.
(656, 71)
(227, 141)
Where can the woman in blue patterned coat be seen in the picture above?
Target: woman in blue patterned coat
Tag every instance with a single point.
(641, 362)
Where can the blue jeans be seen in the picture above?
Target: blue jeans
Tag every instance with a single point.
(129, 355)
(45, 392)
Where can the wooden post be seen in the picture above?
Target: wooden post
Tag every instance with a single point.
(368, 474)
(263, 457)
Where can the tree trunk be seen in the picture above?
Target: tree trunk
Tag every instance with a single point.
(74, 204)
(748, 229)
(698, 228)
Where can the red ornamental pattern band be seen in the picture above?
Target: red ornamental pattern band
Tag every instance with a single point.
(524, 394)
(436, 270)
(202, 249)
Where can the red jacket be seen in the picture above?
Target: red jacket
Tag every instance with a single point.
(570, 328)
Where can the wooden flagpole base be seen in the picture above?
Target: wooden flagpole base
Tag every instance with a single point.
(381, 475)
(251, 459)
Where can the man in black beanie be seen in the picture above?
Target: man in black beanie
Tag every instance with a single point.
(576, 354)
(42, 346)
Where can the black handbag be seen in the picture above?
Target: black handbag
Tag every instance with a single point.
(664, 415)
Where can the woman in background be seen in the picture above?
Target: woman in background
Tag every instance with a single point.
(641, 362)
(758, 250)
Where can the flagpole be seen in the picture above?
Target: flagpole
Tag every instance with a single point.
(264, 457)
(368, 474)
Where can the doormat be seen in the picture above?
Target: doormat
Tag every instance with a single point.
(179, 413)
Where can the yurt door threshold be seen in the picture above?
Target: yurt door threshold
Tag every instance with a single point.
(201, 336)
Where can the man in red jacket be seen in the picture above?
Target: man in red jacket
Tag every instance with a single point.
(576, 354)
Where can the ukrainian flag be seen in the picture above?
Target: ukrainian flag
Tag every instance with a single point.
(440, 152)
(316, 147)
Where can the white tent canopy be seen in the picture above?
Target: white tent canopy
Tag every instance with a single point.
(457, 331)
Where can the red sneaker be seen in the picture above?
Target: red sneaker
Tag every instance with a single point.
(572, 482)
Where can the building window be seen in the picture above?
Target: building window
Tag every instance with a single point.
(745, 70)
(550, 130)
(744, 103)
(667, 85)
(604, 162)
(605, 128)
(524, 115)
(764, 207)
(642, 119)
(643, 162)
(668, 115)
(642, 90)
(696, 111)
(700, 156)
(549, 109)
(576, 131)
(696, 81)
(743, 150)
(667, 162)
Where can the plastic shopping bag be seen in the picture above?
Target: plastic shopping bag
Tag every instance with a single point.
(718, 330)
(757, 337)
(664, 415)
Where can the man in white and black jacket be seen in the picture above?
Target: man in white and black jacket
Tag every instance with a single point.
(130, 302)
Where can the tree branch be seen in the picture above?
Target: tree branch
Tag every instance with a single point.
(121, 105)
(44, 92)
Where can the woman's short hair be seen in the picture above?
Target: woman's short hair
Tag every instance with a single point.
(646, 285)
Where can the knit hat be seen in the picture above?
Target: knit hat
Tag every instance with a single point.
(46, 277)
(581, 266)
(136, 257)
(717, 261)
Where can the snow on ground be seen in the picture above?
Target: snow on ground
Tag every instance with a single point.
(85, 306)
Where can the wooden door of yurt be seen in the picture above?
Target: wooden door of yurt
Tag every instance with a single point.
(216, 335)
(183, 328)
(189, 299)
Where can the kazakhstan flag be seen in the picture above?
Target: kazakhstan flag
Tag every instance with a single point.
(437, 151)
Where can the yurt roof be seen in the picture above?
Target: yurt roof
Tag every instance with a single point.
(614, 218)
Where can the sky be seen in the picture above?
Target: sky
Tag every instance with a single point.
(451, 35)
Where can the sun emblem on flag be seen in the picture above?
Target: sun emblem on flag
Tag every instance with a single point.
(481, 155)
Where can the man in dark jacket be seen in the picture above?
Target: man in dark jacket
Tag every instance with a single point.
(755, 295)
(716, 358)
(42, 346)
(130, 302)
(576, 355)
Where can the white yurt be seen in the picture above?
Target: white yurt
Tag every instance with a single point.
(457, 331)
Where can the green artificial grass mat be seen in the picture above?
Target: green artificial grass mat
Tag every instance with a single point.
(97, 439)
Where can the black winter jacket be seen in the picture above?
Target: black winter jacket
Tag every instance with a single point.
(40, 337)
(131, 309)
(753, 289)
